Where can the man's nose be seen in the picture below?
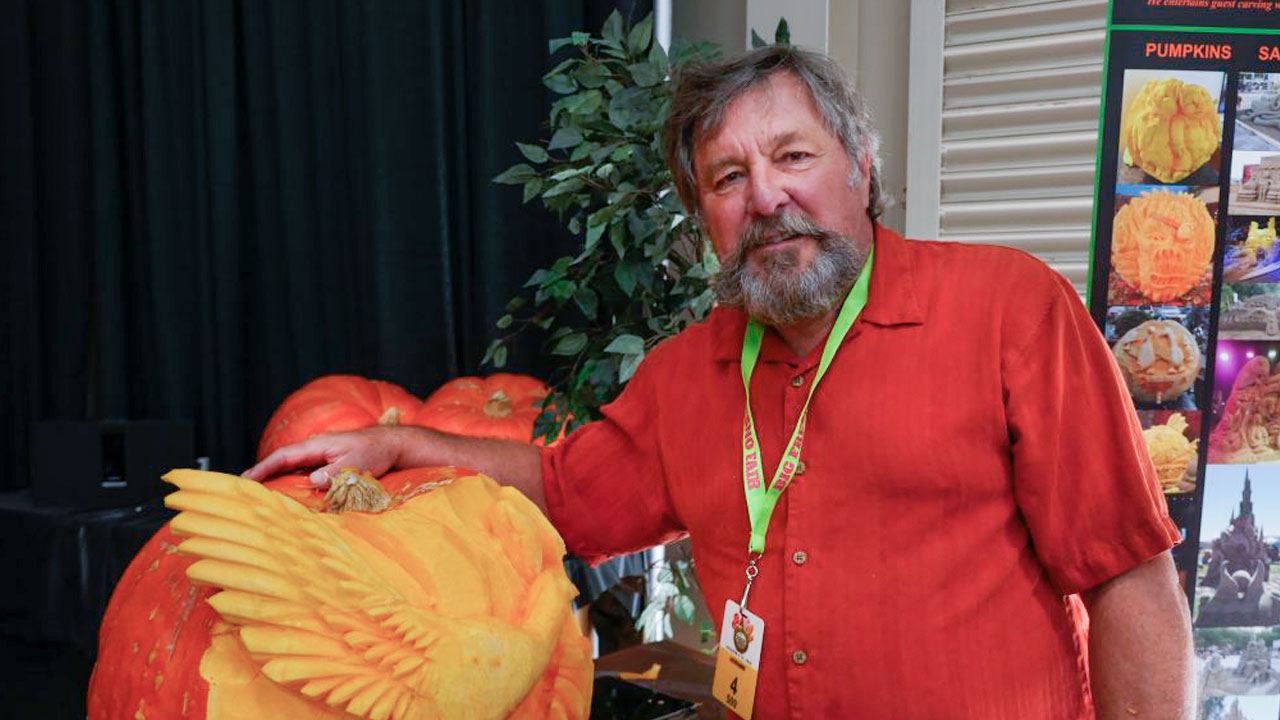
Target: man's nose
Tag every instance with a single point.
(767, 192)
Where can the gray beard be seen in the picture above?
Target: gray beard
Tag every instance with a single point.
(777, 294)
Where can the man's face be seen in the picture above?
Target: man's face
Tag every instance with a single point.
(774, 191)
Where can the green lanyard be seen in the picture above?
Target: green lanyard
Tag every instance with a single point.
(761, 498)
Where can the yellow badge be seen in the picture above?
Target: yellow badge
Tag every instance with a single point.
(738, 659)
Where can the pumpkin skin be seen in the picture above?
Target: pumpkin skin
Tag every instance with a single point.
(166, 652)
(502, 406)
(335, 403)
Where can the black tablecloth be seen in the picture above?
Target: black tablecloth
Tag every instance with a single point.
(58, 565)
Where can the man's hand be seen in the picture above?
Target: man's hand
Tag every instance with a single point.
(379, 449)
(1140, 650)
(375, 450)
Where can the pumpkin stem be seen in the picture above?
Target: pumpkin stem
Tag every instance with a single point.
(498, 405)
(352, 489)
(390, 416)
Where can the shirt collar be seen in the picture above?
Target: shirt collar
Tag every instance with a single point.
(891, 300)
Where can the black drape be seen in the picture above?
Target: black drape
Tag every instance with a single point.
(204, 204)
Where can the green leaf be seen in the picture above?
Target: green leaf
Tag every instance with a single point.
(516, 175)
(531, 189)
(568, 173)
(782, 36)
(629, 107)
(612, 29)
(626, 344)
(618, 237)
(500, 356)
(562, 289)
(684, 608)
(645, 74)
(594, 232)
(624, 274)
(562, 84)
(604, 170)
(580, 38)
(658, 59)
(505, 321)
(488, 353)
(533, 153)
(623, 153)
(582, 152)
(564, 137)
(757, 41)
(588, 302)
(584, 103)
(641, 35)
(628, 367)
(556, 44)
(570, 344)
(591, 74)
(538, 277)
(563, 188)
(515, 303)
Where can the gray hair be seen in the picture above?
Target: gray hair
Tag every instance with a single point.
(703, 91)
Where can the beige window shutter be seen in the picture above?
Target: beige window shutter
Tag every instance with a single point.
(1003, 118)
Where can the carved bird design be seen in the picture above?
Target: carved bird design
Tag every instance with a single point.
(449, 604)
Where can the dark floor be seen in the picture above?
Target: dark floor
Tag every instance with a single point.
(42, 681)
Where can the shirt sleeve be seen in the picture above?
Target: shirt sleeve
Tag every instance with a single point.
(605, 484)
(1083, 478)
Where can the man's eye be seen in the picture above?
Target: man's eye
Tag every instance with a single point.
(727, 179)
(795, 155)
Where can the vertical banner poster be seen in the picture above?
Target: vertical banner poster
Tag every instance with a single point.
(1185, 285)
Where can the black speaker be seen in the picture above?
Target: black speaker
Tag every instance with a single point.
(108, 463)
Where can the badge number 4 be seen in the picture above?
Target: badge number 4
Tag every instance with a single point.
(738, 660)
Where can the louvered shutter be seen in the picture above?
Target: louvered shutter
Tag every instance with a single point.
(1020, 87)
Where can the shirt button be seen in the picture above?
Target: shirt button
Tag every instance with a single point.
(799, 657)
(797, 381)
(800, 557)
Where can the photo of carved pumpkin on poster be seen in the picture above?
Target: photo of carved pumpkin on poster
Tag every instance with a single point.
(1161, 354)
(1171, 127)
(1162, 243)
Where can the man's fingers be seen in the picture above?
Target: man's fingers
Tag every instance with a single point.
(321, 477)
(303, 454)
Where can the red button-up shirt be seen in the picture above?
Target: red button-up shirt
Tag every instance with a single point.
(971, 457)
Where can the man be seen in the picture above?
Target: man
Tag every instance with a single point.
(968, 460)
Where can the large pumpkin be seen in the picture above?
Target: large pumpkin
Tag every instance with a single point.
(502, 405)
(335, 403)
(450, 603)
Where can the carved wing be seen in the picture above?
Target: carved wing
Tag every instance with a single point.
(337, 616)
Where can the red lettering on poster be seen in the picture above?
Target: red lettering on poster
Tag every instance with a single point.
(1188, 50)
(1269, 53)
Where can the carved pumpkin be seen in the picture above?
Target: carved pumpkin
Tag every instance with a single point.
(335, 403)
(1170, 129)
(450, 603)
(502, 405)
(1159, 360)
(1173, 454)
(1162, 243)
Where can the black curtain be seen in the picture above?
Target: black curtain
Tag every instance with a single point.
(206, 203)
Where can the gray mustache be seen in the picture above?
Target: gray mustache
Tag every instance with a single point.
(781, 226)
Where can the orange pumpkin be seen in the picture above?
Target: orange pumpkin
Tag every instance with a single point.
(335, 403)
(450, 603)
(502, 405)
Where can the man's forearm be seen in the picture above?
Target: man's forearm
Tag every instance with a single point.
(518, 465)
(1140, 648)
